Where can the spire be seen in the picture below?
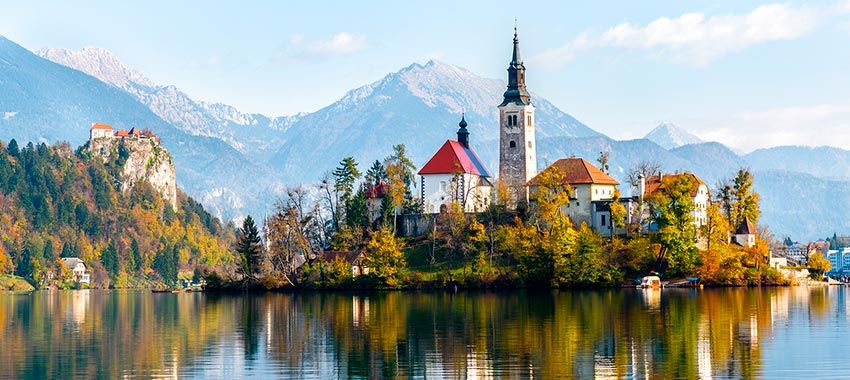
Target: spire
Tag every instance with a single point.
(516, 60)
(463, 133)
(516, 92)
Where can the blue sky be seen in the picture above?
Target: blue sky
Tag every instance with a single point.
(748, 74)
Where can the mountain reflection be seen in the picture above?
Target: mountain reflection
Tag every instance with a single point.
(605, 334)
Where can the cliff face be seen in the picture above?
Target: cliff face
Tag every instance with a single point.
(144, 160)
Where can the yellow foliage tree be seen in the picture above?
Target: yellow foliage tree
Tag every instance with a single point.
(384, 258)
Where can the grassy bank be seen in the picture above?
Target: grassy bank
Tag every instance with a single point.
(13, 283)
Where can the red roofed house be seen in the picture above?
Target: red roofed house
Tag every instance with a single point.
(455, 174)
(592, 189)
(375, 196)
(99, 130)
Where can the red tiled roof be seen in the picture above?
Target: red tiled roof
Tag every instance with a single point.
(349, 257)
(655, 182)
(122, 133)
(578, 171)
(100, 126)
(454, 158)
(377, 191)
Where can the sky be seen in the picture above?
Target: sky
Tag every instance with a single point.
(749, 74)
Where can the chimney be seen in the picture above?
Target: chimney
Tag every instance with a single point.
(463, 133)
(641, 186)
(660, 176)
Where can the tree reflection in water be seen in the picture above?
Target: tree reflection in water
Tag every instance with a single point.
(671, 333)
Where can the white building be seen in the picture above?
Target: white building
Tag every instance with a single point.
(592, 192)
(78, 267)
(745, 235)
(455, 174)
(100, 130)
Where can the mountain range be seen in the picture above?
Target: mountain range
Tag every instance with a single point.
(238, 163)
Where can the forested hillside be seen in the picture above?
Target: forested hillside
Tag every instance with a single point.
(55, 203)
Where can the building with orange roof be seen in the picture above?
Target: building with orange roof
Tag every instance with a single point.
(592, 194)
(99, 130)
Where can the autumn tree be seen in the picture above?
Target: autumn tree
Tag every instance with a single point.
(745, 200)
(550, 195)
(716, 229)
(384, 258)
(672, 205)
(6, 264)
(400, 177)
(818, 265)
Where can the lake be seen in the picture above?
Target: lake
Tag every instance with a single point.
(623, 333)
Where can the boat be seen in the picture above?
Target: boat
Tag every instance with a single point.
(650, 282)
(165, 290)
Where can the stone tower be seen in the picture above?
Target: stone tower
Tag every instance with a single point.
(517, 146)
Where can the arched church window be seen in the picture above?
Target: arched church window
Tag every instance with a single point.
(513, 144)
(515, 121)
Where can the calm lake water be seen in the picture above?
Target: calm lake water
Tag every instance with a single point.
(719, 333)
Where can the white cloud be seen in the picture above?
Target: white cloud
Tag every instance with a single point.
(694, 38)
(338, 44)
(815, 125)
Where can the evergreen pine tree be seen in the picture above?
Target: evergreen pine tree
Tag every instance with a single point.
(136, 253)
(13, 148)
(109, 257)
(249, 247)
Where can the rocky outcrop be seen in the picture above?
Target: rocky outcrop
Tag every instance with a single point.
(143, 159)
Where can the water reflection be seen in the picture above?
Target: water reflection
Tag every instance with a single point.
(638, 334)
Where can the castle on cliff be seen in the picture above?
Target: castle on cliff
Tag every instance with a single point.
(146, 159)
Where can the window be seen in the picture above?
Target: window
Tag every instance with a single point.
(603, 220)
(512, 144)
(515, 123)
(529, 144)
(528, 121)
(442, 185)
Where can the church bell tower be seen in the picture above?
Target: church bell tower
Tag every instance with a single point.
(517, 146)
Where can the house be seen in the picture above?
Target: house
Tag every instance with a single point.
(455, 174)
(745, 234)
(592, 193)
(78, 268)
(99, 130)
(375, 196)
(699, 193)
(352, 258)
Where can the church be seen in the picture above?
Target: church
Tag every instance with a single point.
(456, 174)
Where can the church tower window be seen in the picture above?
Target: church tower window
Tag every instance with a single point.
(513, 144)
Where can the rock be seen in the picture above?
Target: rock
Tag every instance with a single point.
(146, 160)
